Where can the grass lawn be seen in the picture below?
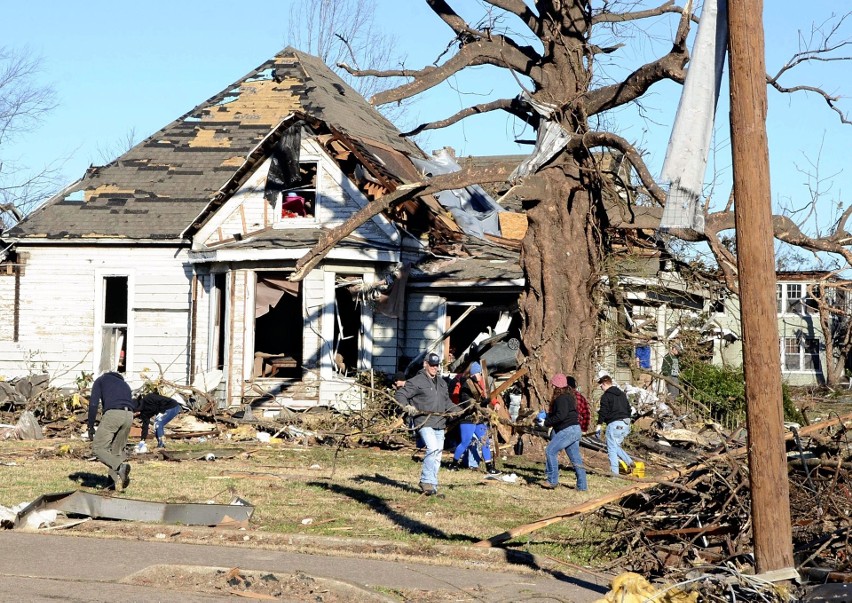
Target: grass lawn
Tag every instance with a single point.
(355, 493)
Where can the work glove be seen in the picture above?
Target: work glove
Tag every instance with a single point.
(598, 432)
(539, 419)
(409, 410)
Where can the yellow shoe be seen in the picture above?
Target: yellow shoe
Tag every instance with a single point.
(623, 468)
(638, 469)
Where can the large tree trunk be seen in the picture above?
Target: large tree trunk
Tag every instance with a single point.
(561, 258)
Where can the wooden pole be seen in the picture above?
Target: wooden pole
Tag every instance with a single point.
(770, 490)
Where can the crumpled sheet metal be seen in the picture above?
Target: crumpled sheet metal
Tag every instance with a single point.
(107, 507)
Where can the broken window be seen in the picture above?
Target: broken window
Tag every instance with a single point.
(299, 201)
(278, 326)
(114, 324)
(290, 184)
(492, 331)
(347, 327)
(217, 321)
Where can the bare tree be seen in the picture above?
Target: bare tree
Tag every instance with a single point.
(107, 153)
(832, 296)
(23, 103)
(345, 31)
(564, 60)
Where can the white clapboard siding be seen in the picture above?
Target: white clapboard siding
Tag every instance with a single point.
(57, 309)
(336, 205)
(425, 316)
(7, 307)
(246, 211)
(386, 342)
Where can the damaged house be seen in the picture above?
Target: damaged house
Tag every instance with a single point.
(176, 257)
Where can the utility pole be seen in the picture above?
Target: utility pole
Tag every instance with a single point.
(770, 489)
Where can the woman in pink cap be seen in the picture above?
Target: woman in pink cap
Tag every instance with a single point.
(566, 434)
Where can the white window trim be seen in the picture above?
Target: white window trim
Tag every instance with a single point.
(807, 311)
(97, 332)
(309, 221)
(802, 354)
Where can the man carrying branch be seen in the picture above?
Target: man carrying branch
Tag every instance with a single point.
(425, 397)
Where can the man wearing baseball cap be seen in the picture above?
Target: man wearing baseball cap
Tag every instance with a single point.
(425, 397)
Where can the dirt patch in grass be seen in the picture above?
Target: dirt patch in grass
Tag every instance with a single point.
(258, 586)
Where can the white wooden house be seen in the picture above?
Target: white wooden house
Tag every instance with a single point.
(175, 257)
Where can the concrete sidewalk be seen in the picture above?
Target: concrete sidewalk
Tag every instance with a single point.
(47, 567)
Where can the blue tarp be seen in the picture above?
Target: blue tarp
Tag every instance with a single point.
(472, 208)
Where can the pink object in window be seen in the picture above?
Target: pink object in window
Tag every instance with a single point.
(292, 206)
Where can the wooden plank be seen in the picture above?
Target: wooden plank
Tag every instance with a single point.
(504, 430)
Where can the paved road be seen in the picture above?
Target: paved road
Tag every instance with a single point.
(51, 567)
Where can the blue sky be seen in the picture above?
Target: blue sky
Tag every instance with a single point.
(118, 67)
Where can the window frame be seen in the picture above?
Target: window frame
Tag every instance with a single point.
(805, 349)
(310, 193)
(786, 305)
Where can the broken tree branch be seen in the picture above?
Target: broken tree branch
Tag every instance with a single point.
(511, 105)
(671, 66)
(454, 180)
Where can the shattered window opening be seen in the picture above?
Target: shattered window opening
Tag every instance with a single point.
(218, 309)
(347, 327)
(278, 326)
(299, 201)
(114, 328)
(801, 354)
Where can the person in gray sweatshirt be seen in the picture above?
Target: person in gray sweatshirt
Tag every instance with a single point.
(425, 398)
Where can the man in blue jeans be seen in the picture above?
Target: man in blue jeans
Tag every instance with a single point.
(425, 397)
(615, 412)
(163, 408)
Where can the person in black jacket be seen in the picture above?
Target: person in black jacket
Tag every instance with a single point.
(162, 407)
(564, 420)
(425, 398)
(109, 441)
(615, 412)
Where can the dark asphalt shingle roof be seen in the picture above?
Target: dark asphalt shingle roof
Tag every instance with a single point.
(157, 188)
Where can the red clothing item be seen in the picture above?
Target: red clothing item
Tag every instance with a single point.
(584, 412)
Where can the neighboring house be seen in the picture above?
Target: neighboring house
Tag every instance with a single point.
(801, 342)
(175, 257)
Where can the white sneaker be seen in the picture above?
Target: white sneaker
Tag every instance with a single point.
(141, 448)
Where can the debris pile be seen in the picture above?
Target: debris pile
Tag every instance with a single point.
(702, 517)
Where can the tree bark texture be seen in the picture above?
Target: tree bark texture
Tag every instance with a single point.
(561, 258)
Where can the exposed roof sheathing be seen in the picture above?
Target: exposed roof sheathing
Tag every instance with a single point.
(156, 189)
